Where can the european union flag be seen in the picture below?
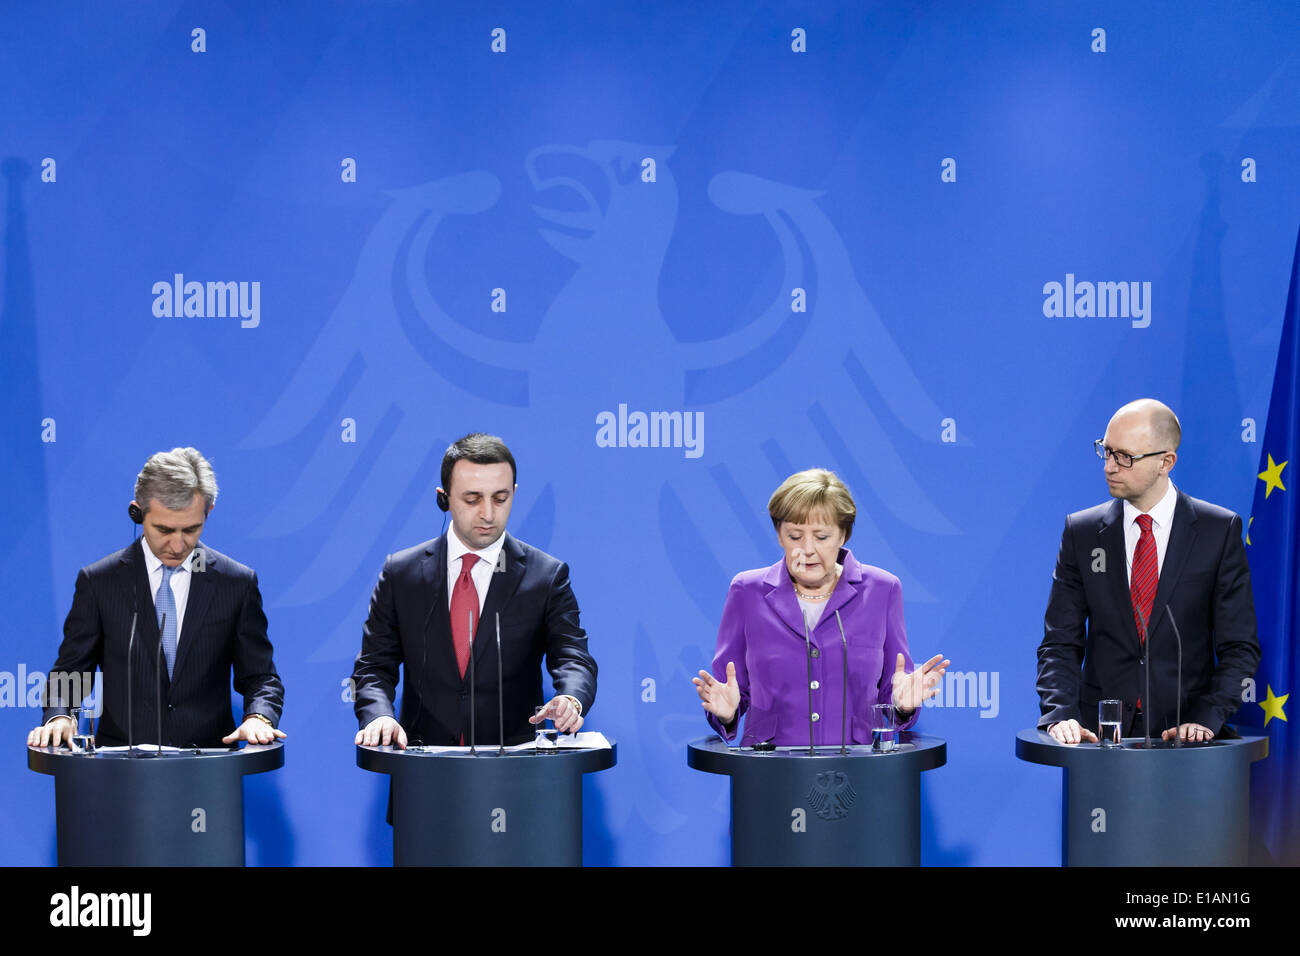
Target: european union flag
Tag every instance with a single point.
(1271, 539)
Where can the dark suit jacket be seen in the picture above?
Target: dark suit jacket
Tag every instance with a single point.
(1091, 651)
(410, 624)
(223, 630)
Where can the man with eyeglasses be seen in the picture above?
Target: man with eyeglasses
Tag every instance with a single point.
(1130, 573)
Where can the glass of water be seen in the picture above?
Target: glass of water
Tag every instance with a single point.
(884, 730)
(547, 736)
(83, 734)
(1110, 718)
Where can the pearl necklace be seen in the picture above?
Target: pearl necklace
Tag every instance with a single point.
(816, 597)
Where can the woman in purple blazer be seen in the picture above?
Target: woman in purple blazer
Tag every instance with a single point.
(782, 622)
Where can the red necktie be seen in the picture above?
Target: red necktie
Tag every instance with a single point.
(464, 606)
(1146, 575)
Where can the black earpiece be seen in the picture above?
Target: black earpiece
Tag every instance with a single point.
(136, 514)
(444, 503)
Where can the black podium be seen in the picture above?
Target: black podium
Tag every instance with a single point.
(183, 808)
(523, 808)
(790, 808)
(1167, 806)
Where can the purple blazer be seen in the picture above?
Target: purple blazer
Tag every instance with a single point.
(762, 632)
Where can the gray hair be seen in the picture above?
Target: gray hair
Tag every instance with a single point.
(172, 478)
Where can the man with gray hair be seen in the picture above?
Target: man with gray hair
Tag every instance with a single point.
(167, 588)
(1132, 575)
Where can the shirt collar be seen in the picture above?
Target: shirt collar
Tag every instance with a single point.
(456, 548)
(1161, 514)
(152, 562)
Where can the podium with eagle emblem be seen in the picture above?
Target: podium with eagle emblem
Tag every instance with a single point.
(855, 807)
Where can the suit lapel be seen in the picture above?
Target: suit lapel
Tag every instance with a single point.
(845, 591)
(1182, 535)
(782, 600)
(511, 564)
(146, 616)
(433, 574)
(1111, 535)
(202, 585)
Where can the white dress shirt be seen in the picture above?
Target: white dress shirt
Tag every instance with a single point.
(1162, 516)
(484, 567)
(180, 582)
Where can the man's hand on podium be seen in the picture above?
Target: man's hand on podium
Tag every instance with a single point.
(255, 731)
(564, 710)
(382, 731)
(1193, 733)
(58, 730)
(1071, 732)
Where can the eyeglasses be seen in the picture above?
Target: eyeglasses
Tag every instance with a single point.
(1121, 459)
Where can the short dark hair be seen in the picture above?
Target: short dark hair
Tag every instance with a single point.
(481, 449)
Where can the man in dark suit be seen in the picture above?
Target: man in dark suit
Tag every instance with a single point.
(1128, 573)
(425, 614)
(201, 606)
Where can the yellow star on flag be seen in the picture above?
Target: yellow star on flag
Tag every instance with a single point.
(1251, 521)
(1273, 706)
(1272, 477)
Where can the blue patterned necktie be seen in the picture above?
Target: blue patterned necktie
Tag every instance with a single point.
(165, 605)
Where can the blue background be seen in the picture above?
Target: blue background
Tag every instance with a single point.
(521, 170)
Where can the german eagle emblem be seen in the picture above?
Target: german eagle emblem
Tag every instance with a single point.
(831, 795)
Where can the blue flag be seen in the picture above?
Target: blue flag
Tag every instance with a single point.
(1271, 542)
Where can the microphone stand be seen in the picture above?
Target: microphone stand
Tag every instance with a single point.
(1178, 701)
(416, 712)
(807, 639)
(471, 684)
(130, 710)
(844, 684)
(157, 667)
(1146, 674)
(501, 707)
